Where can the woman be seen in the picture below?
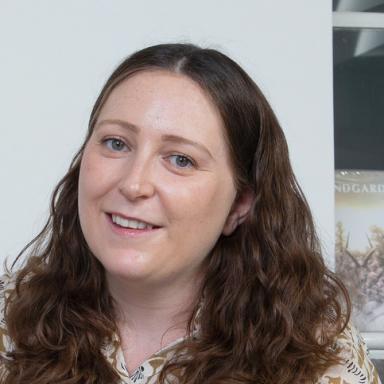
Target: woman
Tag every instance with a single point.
(179, 246)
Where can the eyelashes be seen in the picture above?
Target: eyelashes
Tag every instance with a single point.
(115, 144)
(184, 158)
(181, 161)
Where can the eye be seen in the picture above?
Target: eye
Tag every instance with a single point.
(115, 144)
(182, 161)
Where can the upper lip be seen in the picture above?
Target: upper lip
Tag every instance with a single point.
(133, 218)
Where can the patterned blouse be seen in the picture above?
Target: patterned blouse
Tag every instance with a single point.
(356, 369)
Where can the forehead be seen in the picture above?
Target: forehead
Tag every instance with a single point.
(163, 102)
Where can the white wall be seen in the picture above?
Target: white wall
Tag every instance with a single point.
(55, 56)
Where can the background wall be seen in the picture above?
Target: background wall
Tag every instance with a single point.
(55, 56)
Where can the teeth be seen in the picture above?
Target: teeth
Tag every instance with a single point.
(130, 223)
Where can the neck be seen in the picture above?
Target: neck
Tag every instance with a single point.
(153, 312)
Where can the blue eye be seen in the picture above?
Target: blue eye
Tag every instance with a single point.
(115, 144)
(182, 161)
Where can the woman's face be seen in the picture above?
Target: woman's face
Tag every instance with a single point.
(157, 156)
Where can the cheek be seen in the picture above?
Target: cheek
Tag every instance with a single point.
(85, 187)
(199, 202)
(92, 183)
(86, 177)
(96, 177)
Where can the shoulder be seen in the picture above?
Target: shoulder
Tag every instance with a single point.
(7, 284)
(356, 366)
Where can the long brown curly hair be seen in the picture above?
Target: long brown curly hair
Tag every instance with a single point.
(271, 307)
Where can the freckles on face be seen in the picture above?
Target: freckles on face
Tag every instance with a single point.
(199, 210)
(148, 113)
(96, 176)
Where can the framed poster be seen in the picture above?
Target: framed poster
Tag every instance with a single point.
(359, 198)
(358, 48)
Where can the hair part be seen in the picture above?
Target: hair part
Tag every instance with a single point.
(271, 307)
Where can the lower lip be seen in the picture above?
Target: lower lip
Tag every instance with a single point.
(130, 232)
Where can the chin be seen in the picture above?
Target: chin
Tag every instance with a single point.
(128, 268)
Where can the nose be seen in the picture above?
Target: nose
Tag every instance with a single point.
(136, 181)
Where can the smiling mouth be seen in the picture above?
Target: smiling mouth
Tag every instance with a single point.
(130, 224)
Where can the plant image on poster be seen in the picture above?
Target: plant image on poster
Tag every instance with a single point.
(360, 243)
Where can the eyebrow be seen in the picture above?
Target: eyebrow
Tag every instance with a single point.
(122, 123)
(166, 137)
